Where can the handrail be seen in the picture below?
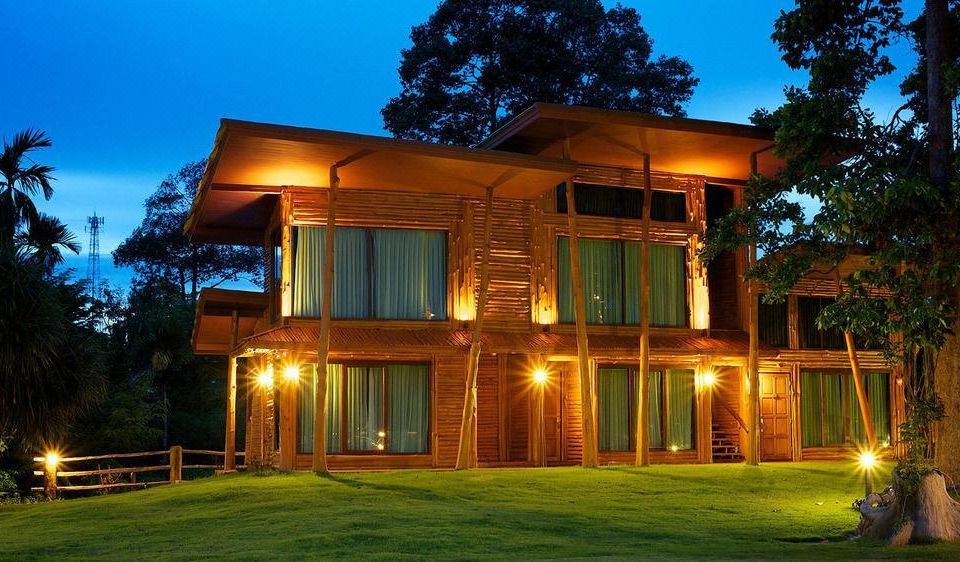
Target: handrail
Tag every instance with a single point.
(733, 412)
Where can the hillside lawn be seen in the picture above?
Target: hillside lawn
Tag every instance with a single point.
(713, 511)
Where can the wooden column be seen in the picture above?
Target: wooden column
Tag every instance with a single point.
(752, 456)
(588, 392)
(288, 422)
(176, 464)
(862, 400)
(230, 438)
(323, 348)
(50, 478)
(537, 444)
(467, 448)
(643, 403)
(704, 414)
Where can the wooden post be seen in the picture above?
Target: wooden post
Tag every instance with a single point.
(323, 348)
(643, 402)
(176, 464)
(537, 443)
(288, 423)
(467, 449)
(588, 394)
(861, 392)
(50, 479)
(752, 456)
(230, 439)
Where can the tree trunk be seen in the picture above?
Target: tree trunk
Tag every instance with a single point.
(862, 401)
(939, 110)
(927, 515)
(946, 382)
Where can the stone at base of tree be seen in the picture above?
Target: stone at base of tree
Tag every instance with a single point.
(929, 515)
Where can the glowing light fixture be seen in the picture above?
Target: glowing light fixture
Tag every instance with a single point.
(291, 373)
(674, 448)
(51, 459)
(708, 379)
(265, 378)
(867, 460)
(540, 375)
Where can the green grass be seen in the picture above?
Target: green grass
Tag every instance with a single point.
(777, 510)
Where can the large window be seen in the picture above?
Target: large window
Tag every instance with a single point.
(379, 273)
(623, 202)
(772, 327)
(610, 271)
(811, 336)
(671, 422)
(830, 413)
(370, 409)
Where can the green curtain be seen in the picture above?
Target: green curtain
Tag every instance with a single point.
(810, 417)
(631, 281)
(654, 425)
(613, 409)
(601, 270)
(307, 391)
(408, 408)
(680, 398)
(858, 432)
(410, 274)
(832, 385)
(364, 408)
(351, 273)
(878, 389)
(667, 285)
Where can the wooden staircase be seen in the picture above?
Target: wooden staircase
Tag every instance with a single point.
(726, 442)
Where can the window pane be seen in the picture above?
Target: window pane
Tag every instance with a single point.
(772, 326)
(408, 409)
(410, 274)
(669, 206)
(654, 420)
(668, 290)
(680, 397)
(810, 417)
(602, 273)
(810, 335)
(832, 387)
(365, 431)
(613, 405)
(603, 200)
(307, 391)
(878, 391)
(350, 286)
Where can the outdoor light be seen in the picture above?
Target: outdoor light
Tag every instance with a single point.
(674, 448)
(291, 373)
(708, 379)
(868, 460)
(540, 375)
(52, 459)
(265, 378)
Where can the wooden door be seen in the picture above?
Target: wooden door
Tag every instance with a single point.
(775, 417)
(553, 420)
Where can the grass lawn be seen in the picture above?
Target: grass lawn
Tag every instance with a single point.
(715, 511)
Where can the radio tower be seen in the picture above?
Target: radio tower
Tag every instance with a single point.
(93, 255)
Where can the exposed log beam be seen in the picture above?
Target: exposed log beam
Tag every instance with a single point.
(752, 455)
(643, 408)
(230, 438)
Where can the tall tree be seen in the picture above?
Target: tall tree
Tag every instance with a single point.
(880, 188)
(44, 240)
(474, 63)
(22, 179)
(158, 248)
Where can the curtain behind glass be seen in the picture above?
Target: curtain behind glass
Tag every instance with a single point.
(667, 286)
(307, 270)
(631, 281)
(654, 425)
(601, 271)
(410, 274)
(612, 409)
(810, 417)
(364, 388)
(350, 284)
(878, 389)
(858, 432)
(832, 409)
(408, 408)
(307, 392)
(680, 396)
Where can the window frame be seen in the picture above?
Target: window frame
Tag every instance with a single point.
(846, 389)
(621, 194)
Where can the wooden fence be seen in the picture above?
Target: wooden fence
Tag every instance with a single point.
(57, 478)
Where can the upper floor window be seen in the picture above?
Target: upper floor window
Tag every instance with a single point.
(623, 202)
(610, 271)
(772, 327)
(811, 336)
(379, 273)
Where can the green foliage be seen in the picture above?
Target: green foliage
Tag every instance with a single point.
(20, 179)
(475, 63)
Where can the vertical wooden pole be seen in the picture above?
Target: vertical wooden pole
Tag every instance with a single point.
(323, 348)
(588, 393)
(643, 402)
(752, 456)
(862, 400)
(230, 438)
(466, 449)
(288, 423)
(537, 443)
(50, 479)
(176, 464)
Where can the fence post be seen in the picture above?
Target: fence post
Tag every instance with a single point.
(176, 464)
(50, 478)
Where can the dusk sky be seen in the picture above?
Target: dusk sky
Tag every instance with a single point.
(131, 91)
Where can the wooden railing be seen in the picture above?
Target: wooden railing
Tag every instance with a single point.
(111, 477)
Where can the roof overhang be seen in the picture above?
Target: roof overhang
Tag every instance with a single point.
(619, 138)
(213, 323)
(252, 162)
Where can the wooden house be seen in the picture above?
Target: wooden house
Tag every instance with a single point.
(408, 269)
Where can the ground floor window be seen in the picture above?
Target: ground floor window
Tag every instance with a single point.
(381, 408)
(671, 422)
(830, 413)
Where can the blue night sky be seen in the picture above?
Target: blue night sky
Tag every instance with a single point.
(129, 91)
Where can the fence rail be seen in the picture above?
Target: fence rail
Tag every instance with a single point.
(52, 470)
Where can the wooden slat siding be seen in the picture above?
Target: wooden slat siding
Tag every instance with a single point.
(488, 409)
(519, 382)
(572, 413)
(508, 302)
(449, 373)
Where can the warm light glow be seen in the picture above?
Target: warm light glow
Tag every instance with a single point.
(381, 434)
(380, 446)
(265, 377)
(867, 460)
(51, 459)
(540, 375)
(674, 448)
(291, 373)
(708, 379)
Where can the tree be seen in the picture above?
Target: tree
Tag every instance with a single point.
(43, 239)
(877, 193)
(158, 248)
(22, 178)
(474, 63)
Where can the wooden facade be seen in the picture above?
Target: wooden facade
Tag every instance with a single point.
(517, 422)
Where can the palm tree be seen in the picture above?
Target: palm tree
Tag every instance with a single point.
(21, 179)
(43, 239)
